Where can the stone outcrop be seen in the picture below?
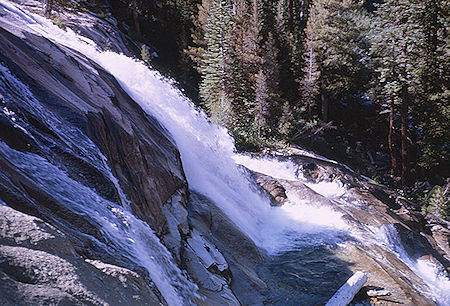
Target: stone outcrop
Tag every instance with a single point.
(366, 206)
(274, 189)
(227, 257)
(40, 266)
(141, 155)
(59, 107)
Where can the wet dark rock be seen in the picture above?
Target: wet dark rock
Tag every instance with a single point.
(241, 254)
(75, 117)
(311, 171)
(385, 198)
(138, 150)
(274, 189)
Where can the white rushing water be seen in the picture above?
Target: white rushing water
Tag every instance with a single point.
(131, 237)
(211, 168)
(434, 276)
(207, 150)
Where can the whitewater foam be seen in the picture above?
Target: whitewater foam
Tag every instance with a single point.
(435, 277)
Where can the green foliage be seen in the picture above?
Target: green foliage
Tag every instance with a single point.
(336, 35)
(267, 69)
(408, 52)
(214, 63)
(59, 22)
(437, 202)
(145, 56)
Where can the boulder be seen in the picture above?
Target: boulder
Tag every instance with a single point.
(39, 266)
(275, 190)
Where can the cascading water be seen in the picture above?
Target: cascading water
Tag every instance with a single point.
(130, 236)
(434, 276)
(210, 164)
(200, 143)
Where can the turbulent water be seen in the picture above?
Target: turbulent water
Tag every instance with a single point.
(131, 237)
(212, 168)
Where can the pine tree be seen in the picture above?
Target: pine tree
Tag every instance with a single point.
(261, 108)
(244, 60)
(213, 69)
(396, 45)
(339, 47)
(432, 112)
(309, 84)
(197, 51)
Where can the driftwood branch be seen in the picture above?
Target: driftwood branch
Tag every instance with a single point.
(347, 292)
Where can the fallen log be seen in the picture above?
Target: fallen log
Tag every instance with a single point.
(378, 293)
(347, 292)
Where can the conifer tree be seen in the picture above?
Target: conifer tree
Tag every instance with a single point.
(261, 105)
(213, 69)
(309, 84)
(243, 64)
(397, 46)
(338, 45)
(197, 51)
(432, 112)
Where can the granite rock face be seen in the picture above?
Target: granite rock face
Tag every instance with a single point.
(371, 212)
(65, 113)
(40, 266)
(63, 120)
(140, 153)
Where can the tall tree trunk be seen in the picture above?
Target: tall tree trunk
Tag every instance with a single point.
(405, 112)
(290, 15)
(137, 26)
(48, 8)
(405, 159)
(324, 100)
(391, 138)
(394, 163)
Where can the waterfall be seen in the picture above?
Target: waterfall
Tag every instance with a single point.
(129, 236)
(207, 150)
(210, 163)
(435, 277)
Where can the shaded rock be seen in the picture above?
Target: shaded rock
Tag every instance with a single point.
(177, 222)
(38, 265)
(312, 172)
(95, 110)
(273, 187)
(240, 252)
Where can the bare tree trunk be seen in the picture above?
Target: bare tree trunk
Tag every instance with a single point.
(48, 8)
(137, 26)
(404, 122)
(405, 159)
(324, 100)
(394, 163)
(290, 15)
(391, 139)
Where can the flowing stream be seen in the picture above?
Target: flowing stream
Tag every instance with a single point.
(211, 166)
